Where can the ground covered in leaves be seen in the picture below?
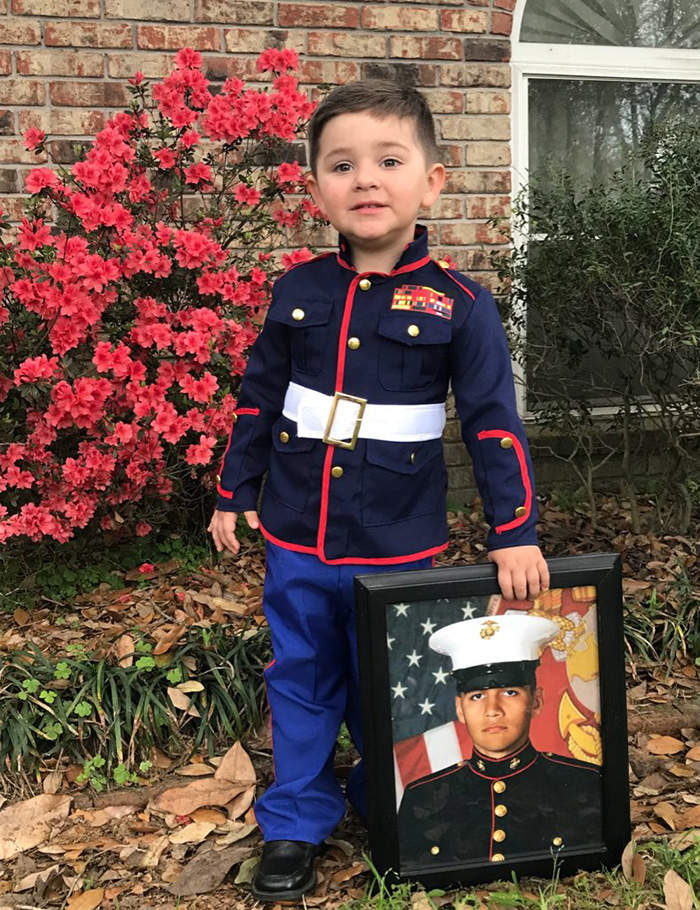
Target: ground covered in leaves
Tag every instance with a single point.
(184, 834)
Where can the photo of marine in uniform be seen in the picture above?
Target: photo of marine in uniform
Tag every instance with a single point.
(507, 800)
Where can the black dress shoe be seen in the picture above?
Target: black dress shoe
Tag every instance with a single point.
(286, 871)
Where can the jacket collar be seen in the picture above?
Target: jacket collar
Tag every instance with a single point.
(414, 253)
(507, 766)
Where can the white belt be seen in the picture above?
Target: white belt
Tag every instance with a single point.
(341, 419)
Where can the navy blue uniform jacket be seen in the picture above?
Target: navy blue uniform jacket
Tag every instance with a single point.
(482, 810)
(389, 504)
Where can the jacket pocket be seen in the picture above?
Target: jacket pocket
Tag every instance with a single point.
(402, 480)
(307, 320)
(414, 350)
(289, 476)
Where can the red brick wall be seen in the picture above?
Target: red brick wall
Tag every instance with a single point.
(64, 65)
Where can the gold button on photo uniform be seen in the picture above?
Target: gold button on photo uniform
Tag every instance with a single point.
(557, 841)
(413, 458)
(499, 786)
(413, 331)
(500, 811)
(520, 511)
(506, 442)
(444, 263)
(435, 850)
(365, 284)
(298, 314)
(218, 478)
(353, 343)
(499, 835)
(284, 436)
(337, 471)
(497, 858)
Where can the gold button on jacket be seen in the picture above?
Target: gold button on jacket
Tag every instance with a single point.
(365, 284)
(353, 343)
(520, 511)
(284, 436)
(500, 811)
(499, 835)
(413, 331)
(499, 786)
(506, 443)
(298, 314)
(337, 471)
(497, 858)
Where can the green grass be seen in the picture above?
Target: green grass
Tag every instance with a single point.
(585, 891)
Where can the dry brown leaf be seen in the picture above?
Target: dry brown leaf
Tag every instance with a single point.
(343, 845)
(35, 879)
(344, 875)
(27, 824)
(21, 616)
(626, 862)
(639, 869)
(210, 815)
(88, 900)
(228, 606)
(685, 839)
(195, 771)
(124, 649)
(679, 770)
(665, 745)
(631, 585)
(169, 639)
(182, 701)
(237, 766)
(690, 818)
(677, 893)
(207, 870)
(184, 800)
(52, 782)
(694, 753)
(192, 834)
(241, 803)
(236, 832)
(666, 812)
(98, 817)
(190, 686)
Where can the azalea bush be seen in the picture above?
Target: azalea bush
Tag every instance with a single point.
(131, 292)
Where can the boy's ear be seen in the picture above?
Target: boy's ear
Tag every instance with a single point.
(312, 185)
(436, 181)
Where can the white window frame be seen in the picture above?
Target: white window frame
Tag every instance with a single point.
(578, 61)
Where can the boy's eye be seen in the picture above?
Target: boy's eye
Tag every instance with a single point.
(342, 167)
(510, 692)
(476, 696)
(391, 162)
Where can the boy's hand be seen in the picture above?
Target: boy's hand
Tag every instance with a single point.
(223, 529)
(522, 572)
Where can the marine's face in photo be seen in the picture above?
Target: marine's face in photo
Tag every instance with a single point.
(498, 720)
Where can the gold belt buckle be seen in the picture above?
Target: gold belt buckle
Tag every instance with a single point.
(327, 438)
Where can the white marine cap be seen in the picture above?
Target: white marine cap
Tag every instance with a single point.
(494, 651)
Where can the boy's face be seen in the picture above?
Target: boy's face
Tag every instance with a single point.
(372, 178)
(498, 720)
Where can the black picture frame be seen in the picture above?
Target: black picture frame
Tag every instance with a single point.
(376, 596)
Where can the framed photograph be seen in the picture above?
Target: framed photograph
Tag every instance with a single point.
(495, 731)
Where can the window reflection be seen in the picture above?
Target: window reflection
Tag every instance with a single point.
(622, 23)
(588, 127)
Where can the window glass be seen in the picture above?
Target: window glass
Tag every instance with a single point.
(587, 126)
(621, 23)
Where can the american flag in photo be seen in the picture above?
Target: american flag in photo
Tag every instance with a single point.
(425, 732)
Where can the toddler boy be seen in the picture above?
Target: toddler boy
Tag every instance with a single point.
(343, 404)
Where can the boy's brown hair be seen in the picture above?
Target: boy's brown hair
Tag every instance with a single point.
(381, 98)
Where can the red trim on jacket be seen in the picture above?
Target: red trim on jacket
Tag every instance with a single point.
(350, 560)
(520, 453)
(227, 494)
(295, 265)
(254, 411)
(449, 275)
